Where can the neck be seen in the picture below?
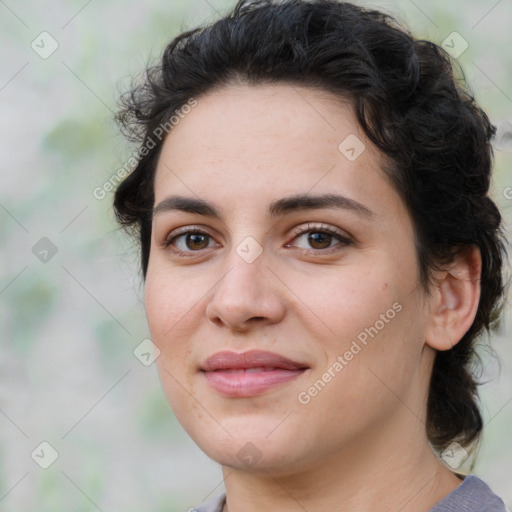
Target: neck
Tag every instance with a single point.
(373, 474)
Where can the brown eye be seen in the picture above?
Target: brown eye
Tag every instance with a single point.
(189, 240)
(196, 241)
(320, 240)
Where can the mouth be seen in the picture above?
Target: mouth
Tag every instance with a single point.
(250, 373)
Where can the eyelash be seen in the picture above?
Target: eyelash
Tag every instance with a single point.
(167, 243)
(343, 240)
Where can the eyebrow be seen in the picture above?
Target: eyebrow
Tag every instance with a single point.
(277, 208)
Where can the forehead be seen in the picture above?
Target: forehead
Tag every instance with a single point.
(269, 140)
(251, 120)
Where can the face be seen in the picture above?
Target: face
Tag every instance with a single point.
(283, 287)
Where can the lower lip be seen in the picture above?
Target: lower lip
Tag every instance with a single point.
(247, 384)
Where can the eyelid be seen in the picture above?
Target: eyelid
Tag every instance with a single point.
(185, 230)
(343, 238)
(311, 227)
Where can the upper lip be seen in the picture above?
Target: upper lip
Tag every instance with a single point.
(227, 360)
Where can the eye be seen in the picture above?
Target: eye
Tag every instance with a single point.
(319, 238)
(189, 240)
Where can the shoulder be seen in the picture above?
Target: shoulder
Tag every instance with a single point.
(472, 495)
(215, 505)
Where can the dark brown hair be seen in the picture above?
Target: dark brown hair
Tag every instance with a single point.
(407, 101)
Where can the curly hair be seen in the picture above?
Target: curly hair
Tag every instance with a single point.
(433, 136)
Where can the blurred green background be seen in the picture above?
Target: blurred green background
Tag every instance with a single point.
(71, 298)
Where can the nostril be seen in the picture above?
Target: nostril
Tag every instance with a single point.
(217, 321)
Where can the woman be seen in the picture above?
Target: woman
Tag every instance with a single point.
(320, 255)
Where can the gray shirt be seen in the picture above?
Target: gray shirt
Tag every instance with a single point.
(472, 495)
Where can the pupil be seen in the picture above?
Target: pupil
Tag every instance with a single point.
(322, 239)
(197, 240)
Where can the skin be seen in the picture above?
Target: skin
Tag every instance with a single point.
(360, 443)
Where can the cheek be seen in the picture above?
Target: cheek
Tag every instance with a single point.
(169, 300)
(347, 300)
(371, 314)
(383, 351)
(171, 311)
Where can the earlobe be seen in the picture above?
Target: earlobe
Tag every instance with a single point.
(455, 299)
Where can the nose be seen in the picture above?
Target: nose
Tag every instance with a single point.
(248, 295)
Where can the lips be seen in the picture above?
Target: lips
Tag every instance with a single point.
(249, 373)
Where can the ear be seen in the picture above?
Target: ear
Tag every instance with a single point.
(454, 299)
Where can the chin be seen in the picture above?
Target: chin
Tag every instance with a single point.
(256, 455)
(253, 445)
